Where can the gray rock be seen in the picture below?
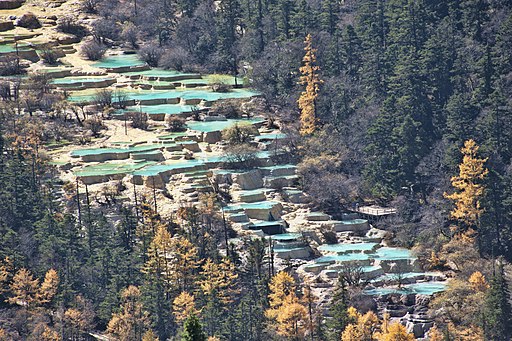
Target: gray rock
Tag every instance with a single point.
(28, 20)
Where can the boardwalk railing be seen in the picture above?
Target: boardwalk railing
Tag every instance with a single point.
(375, 211)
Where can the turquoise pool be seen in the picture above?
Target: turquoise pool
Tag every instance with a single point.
(99, 151)
(347, 247)
(392, 253)
(209, 126)
(343, 258)
(157, 169)
(286, 236)
(427, 288)
(72, 80)
(161, 108)
(122, 60)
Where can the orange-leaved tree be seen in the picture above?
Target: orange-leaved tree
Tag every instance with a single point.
(183, 306)
(290, 316)
(308, 97)
(469, 190)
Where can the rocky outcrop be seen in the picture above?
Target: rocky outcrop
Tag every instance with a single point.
(11, 4)
(6, 26)
(212, 137)
(411, 310)
(28, 20)
(248, 180)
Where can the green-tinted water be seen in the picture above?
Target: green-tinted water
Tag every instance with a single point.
(123, 60)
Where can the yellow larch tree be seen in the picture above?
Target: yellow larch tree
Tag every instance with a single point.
(49, 287)
(395, 332)
(469, 189)
(292, 318)
(175, 259)
(364, 327)
(132, 322)
(290, 315)
(219, 280)
(310, 78)
(48, 334)
(281, 286)
(434, 334)
(24, 289)
(182, 262)
(478, 282)
(158, 252)
(183, 306)
(74, 322)
(150, 336)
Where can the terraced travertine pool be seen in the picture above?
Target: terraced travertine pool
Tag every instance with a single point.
(186, 94)
(99, 151)
(392, 253)
(122, 60)
(7, 48)
(252, 205)
(106, 169)
(161, 109)
(160, 73)
(81, 79)
(286, 236)
(162, 168)
(348, 247)
(210, 126)
(349, 257)
(422, 288)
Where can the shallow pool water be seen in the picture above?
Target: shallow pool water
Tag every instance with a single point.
(112, 168)
(353, 221)
(343, 258)
(99, 151)
(270, 137)
(6, 48)
(162, 108)
(253, 205)
(188, 94)
(209, 126)
(427, 288)
(159, 73)
(395, 277)
(347, 247)
(81, 79)
(392, 253)
(286, 236)
(122, 60)
(179, 164)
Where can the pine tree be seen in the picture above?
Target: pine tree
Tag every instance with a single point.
(338, 311)
(312, 81)
(498, 312)
(192, 330)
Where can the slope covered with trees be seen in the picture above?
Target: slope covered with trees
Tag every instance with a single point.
(397, 102)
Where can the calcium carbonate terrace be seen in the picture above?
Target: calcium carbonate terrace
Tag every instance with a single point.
(254, 205)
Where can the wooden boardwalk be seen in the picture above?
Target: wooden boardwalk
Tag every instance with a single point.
(373, 213)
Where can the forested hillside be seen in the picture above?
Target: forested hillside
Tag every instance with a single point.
(400, 104)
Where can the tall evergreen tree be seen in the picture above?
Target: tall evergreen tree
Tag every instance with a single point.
(498, 312)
